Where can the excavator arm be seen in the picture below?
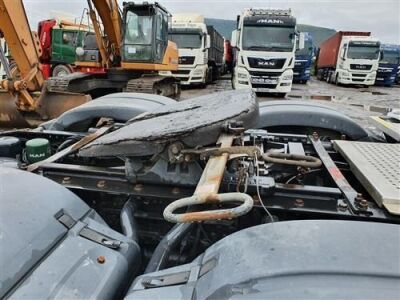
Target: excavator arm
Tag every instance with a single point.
(25, 49)
(106, 12)
(25, 95)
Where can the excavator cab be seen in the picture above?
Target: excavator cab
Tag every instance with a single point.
(145, 42)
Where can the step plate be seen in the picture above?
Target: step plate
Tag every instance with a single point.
(377, 167)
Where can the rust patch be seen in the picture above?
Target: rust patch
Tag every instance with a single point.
(206, 216)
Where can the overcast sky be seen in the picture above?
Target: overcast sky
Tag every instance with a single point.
(382, 18)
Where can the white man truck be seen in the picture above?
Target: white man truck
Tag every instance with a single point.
(201, 50)
(265, 45)
(348, 57)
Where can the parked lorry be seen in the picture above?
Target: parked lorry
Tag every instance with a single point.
(389, 65)
(59, 40)
(201, 50)
(348, 57)
(303, 61)
(265, 44)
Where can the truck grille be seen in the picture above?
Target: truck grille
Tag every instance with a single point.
(186, 60)
(181, 72)
(358, 75)
(360, 67)
(265, 74)
(264, 63)
(264, 86)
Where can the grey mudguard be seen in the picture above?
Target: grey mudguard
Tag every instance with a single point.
(300, 113)
(195, 122)
(119, 106)
(313, 259)
(41, 258)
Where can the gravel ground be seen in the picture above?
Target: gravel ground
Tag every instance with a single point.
(357, 102)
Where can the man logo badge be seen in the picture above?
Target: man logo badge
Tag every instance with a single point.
(266, 63)
(270, 21)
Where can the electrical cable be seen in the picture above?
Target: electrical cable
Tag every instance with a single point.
(258, 191)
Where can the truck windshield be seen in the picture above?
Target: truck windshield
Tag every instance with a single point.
(186, 40)
(138, 36)
(138, 29)
(307, 50)
(363, 51)
(259, 38)
(390, 57)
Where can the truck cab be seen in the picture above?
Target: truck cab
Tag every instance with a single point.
(200, 50)
(265, 44)
(304, 59)
(389, 65)
(358, 61)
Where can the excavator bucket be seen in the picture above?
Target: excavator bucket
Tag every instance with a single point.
(52, 104)
(49, 106)
(10, 116)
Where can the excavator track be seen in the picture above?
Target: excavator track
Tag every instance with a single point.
(159, 85)
(62, 83)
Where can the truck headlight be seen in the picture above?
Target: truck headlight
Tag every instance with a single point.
(242, 75)
(198, 72)
(287, 77)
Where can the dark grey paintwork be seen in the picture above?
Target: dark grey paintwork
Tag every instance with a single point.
(40, 258)
(119, 106)
(195, 122)
(300, 113)
(313, 259)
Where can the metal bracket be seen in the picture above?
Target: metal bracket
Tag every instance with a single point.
(349, 193)
(87, 232)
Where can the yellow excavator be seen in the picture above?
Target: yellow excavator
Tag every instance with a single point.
(131, 46)
(24, 99)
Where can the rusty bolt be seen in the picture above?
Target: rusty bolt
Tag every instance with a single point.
(299, 202)
(343, 206)
(101, 259)
(138, 187)
(358, 198)
(363, 204)
(101, 184)
(66, 180)
(176, 190)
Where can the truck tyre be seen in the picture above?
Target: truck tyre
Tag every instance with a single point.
(61, 71)
(209, 78)
(337, 80)
(233, 80)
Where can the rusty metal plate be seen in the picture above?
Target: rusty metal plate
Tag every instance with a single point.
(195, 122)
(377, 167)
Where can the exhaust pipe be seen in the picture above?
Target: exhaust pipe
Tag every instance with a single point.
(128, 223)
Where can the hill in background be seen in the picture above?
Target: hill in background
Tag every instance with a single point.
(225, 27)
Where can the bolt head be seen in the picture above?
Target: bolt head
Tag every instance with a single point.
(101, 259)
(299, 202)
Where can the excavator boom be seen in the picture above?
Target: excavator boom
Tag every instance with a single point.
(24, 98)
(25, 49)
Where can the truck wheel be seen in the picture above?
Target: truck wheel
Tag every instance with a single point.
(233, 80)
(337, 80)
(210, 75)
(61, 71)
